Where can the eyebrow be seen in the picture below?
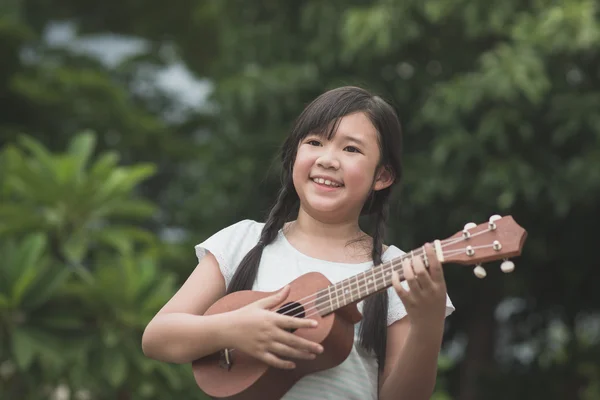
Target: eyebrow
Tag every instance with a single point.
(354, 139)
(346, 136)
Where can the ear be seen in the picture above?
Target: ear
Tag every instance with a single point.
(385, 177)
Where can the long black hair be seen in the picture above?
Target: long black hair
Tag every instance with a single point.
(322, 116)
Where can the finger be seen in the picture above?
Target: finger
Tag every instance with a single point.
(435, 267)
(274, 299)
(284, 350)
(277, 362)
(402, 293)
(409, 275)
(290, 323)
(421, 272)
(298, 342)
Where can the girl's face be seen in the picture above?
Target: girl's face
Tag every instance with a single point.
(333, 178)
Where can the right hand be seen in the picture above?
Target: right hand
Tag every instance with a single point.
(262, 333)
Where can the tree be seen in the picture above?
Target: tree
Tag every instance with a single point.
(78, 283)
(499, 106)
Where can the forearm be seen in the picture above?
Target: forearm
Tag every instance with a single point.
(414, 373)
(182, 338)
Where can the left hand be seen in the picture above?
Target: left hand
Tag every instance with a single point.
(425, 302)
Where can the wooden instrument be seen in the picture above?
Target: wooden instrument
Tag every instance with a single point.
(232, 374)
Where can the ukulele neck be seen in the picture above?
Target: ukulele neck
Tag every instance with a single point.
(360, 286)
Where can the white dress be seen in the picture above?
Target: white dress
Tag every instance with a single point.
(356, 377)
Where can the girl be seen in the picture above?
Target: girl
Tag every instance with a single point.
(340, 162)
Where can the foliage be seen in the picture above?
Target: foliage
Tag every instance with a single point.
(77, 287)
(499, 102)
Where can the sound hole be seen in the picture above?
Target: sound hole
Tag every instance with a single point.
(293, 310)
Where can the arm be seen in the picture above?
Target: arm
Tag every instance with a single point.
(411, 361)
(414, 342)
(179, 333)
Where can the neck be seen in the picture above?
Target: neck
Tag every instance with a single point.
(360, 286)
(307, 226)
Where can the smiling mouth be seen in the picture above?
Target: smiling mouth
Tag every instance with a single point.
(326, 182)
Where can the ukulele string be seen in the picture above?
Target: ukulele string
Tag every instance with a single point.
(399, 270)
(458, 251)
(445, 243)
(381, 273)
(376, 276)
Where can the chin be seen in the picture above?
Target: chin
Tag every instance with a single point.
(327, 210)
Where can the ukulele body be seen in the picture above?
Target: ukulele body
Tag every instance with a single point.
(248, 378)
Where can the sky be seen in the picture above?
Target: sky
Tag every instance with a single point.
(111, 49)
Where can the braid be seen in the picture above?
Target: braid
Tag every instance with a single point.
(373, 330)
(245, 275)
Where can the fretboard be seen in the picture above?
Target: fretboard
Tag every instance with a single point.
(359, 287)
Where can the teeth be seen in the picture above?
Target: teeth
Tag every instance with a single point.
(326, 182)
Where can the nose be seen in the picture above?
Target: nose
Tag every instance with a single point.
(328, 159)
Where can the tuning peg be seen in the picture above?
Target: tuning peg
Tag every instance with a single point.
(479, 271)
(507, 266)
(470, 225)
(491, 223)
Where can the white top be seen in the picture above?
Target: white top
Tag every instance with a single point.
(356, 377)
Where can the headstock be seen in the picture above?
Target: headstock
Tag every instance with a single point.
(499, 238)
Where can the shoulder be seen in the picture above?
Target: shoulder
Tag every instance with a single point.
(238, 234)
(390, 252)
(246, 228)
(230, 245)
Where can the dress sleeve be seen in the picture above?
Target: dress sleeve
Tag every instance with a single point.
(230, 245)
(396, 310)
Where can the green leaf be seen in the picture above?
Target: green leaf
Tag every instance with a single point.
(137, 208)
(104, 165)
(115, 367)
(47, 287)
(81, 149)
(29, 263)
(76, 247)
(4, 303)
(23, 348)
(37, 149)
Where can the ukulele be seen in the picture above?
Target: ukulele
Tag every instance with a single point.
(231, 374)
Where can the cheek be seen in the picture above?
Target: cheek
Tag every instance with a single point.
(301, 168)
(360, 174)
(303, 163)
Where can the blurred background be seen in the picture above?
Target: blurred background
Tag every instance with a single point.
(131, 131)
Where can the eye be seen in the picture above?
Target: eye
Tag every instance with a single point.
(352, 149)
(313, 142)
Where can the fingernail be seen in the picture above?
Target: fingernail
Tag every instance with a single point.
(314, 323)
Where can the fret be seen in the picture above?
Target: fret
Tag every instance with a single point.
(356, 288)
(374, 278)
(376, 274)
(394, 267)
(330, 300)
(348, 291)
(387, 276)
(345, 284)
